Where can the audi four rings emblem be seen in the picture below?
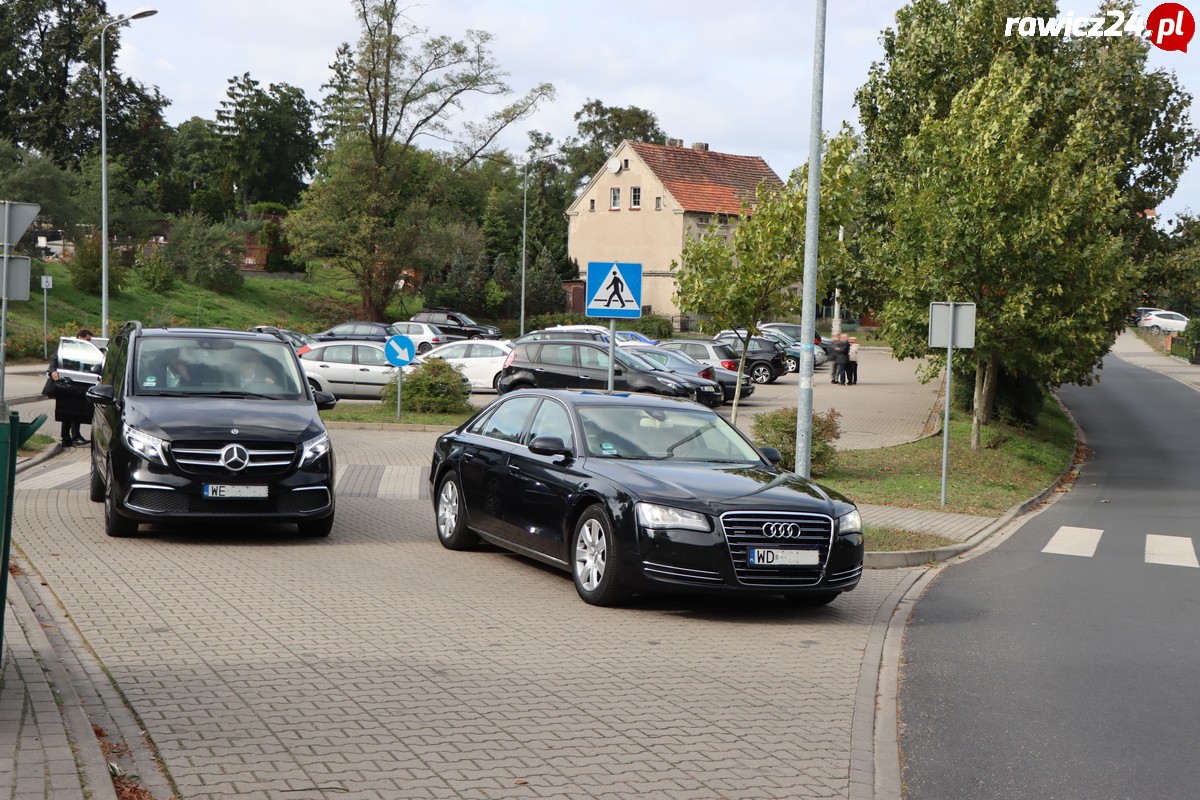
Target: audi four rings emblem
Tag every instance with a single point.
(235, 457)
(781, 530)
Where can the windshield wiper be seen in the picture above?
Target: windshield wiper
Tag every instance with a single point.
(237, 393)
(691, 436)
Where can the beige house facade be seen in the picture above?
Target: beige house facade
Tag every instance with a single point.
(649, 199)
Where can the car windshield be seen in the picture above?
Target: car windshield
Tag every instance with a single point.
(467, 320)
(212, 366)
(660, 434)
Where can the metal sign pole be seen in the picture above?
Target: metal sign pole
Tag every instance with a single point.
(946, 403)
(612, 353)
(399, 389)
(4, 302)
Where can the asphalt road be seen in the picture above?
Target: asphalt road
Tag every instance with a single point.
(1063, 662)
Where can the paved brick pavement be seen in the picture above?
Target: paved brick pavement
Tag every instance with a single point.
(374, 664)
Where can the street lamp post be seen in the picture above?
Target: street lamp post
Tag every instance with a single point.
(524, 225)
(145, 11)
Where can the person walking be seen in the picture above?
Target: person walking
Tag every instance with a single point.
(71, 406)
(841, 357)
(852, 363)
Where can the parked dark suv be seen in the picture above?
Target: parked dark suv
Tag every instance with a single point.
(206, 425)
(456, 324)
(570, 364)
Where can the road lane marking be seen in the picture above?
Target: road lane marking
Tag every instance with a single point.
(1175, 551)
(1070, 541)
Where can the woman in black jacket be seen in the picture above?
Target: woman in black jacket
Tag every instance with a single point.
(71, 406)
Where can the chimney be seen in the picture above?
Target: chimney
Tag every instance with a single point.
(674, 142)
(700, 146)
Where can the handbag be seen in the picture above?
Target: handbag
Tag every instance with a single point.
(49, 388)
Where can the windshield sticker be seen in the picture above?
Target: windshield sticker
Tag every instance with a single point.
(608, 447)
(150, 380)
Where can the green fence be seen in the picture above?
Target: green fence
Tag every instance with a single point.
(13, 434)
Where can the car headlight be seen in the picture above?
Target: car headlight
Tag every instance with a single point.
(151, 448)
(650, 515)
(314, 449)
(850, 522)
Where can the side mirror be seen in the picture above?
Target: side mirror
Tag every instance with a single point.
(549, 446)
(772, 455)
(618, 371)
(324, 400)
(101, 395)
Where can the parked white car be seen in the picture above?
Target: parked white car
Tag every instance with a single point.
(424, 335)
(1163, 321)
(348, 369)
(480, 360)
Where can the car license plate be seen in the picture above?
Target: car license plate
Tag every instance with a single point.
(765, 557)
(226, 490)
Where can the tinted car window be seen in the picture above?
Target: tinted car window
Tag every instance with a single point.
(696, 350)
(593, 358)
(723, 351)
(335, 354)
(551, 420)
(562, 355)
(453, 351)
(485, 351)
(507, 422)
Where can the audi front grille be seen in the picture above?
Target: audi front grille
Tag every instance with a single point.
(777, 530)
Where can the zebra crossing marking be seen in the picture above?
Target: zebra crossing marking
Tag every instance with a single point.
(1071, 541)
(1174, 551)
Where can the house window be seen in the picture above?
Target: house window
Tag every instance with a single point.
(635, 197)
(615, 198)
(592, 204)
(702, 220)
(625, 164)
(658, 204)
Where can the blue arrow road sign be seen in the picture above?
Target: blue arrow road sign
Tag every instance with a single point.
(614, 290)
(399, 351)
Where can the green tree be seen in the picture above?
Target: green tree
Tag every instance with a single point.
(206, 254)
(599, 129)
(29, 178)
(366, 212)
(268, 140)
(939, 115)
(1000, 210)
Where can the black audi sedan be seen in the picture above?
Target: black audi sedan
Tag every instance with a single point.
(638, 493)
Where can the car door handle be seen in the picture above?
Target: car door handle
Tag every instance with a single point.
(513, 469)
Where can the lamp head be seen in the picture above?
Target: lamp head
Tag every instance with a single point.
(144, 11)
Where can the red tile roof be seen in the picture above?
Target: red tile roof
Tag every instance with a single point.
(703, 180)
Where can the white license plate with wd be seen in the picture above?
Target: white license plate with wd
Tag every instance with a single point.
(775, 557)
(226, 490)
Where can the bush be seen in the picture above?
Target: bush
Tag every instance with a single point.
(434, 387)
(85, 266)
(1191, 339)
(778, 429)
(157, 274)
(656, 326)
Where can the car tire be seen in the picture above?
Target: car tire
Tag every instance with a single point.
(115, 524)
(96, 487)
(474, 336)
(792, 364)
(496, 382)
(595, 563)
(762, 373)
(316, 527)
(424, 347)
(811, 599)
(450, 516)
(1155, 329)
(316, 387)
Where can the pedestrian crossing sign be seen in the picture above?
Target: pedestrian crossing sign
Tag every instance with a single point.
(614, 290)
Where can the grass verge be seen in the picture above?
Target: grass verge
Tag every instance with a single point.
(885, 540)
(375, 412)
(1013, 465)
